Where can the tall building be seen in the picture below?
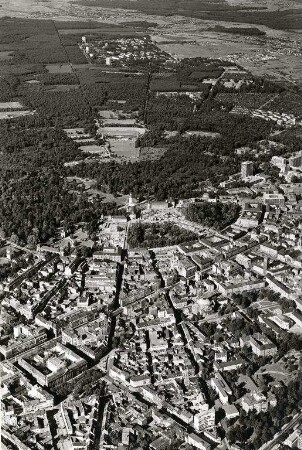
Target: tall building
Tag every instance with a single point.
(247, 169)
(204, 420)
(296, 160)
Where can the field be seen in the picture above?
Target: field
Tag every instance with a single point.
(90, 187)
(59, 68)
(10, 105)
(93, 149)
(62, 87)
(124, 150)
(5, 55)
(14, 114)
(122, 132)
(186, 34)
(208, 134)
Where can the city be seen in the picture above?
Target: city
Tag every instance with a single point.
(150, 239)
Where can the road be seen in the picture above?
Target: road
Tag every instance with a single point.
(269, 101)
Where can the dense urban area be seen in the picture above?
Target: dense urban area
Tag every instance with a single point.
(150, 243)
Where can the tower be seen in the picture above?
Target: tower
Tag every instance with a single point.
(130, 201)
(265, 260)
(247, 169)
(8, 253)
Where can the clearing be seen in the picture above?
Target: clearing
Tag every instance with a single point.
(10, 105)
(59, 68)
(14, 114)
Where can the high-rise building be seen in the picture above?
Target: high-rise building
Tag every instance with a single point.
(247, 169)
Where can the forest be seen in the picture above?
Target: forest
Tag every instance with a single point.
(283, 19)
(245, 31)
(189, 162)
(41, 204)
(33, 192)
(35, 148)
(217, 215)
(151, 235)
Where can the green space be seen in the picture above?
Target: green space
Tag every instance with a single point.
(217, 215)
(151, 235)
(61, 94)
(284, 19)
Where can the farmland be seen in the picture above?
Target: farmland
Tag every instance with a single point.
(274, 51)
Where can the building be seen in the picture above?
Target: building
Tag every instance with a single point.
(230, 411)
(204, 420)
(295, 161)
(228, 366)
(194, 440)
(257, 402)
(221, 388)
(273, 199)
(108, 253)
(53, 364)
(262, 345)
(247, 169)
(161, 443)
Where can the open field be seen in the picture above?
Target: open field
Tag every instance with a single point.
(93, 149)
(208, 134)
(278, 54)
(124, 150)
(123, 132)
(59, 68)
(62, 87)
(276, 4)
(275, 54)
(10, 105)
(14, 114)
(5, 55)
(89, 186)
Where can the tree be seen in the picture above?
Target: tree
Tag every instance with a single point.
(14, 239)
